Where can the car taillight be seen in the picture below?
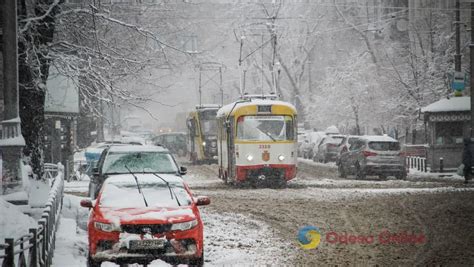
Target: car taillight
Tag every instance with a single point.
(368, 153)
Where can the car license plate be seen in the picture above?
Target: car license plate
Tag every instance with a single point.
(147, 244)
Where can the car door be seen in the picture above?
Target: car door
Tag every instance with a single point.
(353, 155)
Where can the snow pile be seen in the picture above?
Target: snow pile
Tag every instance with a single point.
(332, 130)
(13, 223)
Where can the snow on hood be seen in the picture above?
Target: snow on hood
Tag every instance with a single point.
(147, 215)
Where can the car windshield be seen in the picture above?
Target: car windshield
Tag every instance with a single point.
(384, 146)
(157, 194)
(335, 141)
(265, 128)
(139, 162)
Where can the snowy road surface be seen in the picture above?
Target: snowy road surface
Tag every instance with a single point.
(260, 226)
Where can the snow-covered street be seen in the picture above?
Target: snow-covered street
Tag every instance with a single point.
(259, 226)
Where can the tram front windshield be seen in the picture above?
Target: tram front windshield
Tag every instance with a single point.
(265, 128)
(208, 122)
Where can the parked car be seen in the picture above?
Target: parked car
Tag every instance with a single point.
(174, 142)
(373, 155)
(345, 144)
(327, 149)
(122, 159)
(312, 139)
(140, 217)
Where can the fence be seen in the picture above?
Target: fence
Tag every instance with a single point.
(37, 247)
(418, 163)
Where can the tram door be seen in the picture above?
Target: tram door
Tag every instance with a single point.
(230, 147)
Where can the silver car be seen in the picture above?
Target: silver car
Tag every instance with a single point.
(373, 155)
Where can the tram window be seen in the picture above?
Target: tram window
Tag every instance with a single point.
(265, 128)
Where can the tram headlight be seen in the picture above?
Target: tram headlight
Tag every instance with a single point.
(203, 143)
(249, 157)
(281, 158)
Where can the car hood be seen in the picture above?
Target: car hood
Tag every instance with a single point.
(149, 215)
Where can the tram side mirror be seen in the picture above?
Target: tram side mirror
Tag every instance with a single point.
(183, 170)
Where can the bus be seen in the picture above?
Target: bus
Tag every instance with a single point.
(257, 141)
(202, 132)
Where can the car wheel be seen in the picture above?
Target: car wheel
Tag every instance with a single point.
(92, 263)
(360, 173)
(383, 177)
(342, 172)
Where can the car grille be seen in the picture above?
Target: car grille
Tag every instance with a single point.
(145, 228)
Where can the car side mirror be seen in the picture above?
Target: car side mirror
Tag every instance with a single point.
(203, 200)
(86, 203)
(183, 170)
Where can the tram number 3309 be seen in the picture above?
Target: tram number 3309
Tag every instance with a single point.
(264, 146)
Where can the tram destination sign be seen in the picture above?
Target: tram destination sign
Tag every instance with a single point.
(264, 109)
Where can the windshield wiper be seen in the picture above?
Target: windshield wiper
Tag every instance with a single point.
(269, 135)
(169, 187)
(138, 185)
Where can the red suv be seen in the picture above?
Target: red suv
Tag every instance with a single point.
(141, 217)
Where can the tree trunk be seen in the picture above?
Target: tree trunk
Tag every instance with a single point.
(33, 73)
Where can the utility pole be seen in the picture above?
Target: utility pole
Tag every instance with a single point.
(11, 142)
(471, 50)
(457, 56)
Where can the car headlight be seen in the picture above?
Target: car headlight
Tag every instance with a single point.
(249, 157)
(184, 225)
(281, 158)
(106, 227)
(203, 143)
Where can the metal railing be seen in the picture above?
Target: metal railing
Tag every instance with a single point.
(37, 247)
(418, 163)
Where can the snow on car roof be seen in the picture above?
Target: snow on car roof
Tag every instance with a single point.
(452, 104)
(228, 108)
(378, 138)
(135, 148)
